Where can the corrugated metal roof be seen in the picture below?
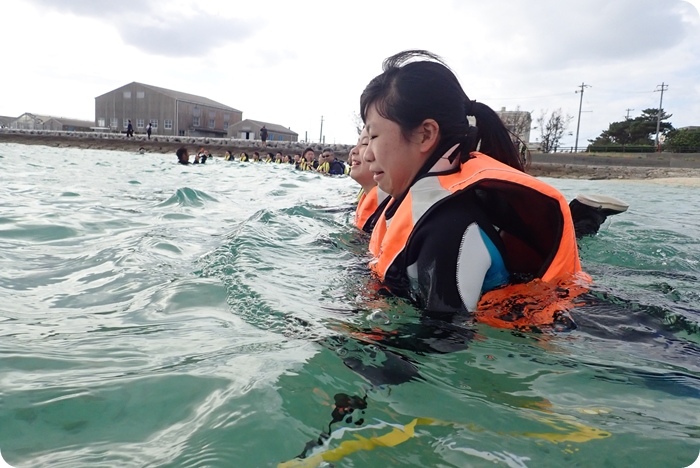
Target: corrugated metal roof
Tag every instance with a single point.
(271, 127)
(188, 97)
(179, 96)
(6, 121)
(73, 122)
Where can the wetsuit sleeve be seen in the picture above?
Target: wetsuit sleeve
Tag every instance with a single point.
(431, 259)
(473, 263)
(450, 260)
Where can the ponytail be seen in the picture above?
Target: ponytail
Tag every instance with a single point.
(493, 136)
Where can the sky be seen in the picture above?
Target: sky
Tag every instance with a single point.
(295, 62)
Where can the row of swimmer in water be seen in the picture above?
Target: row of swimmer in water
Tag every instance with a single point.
(326, 162)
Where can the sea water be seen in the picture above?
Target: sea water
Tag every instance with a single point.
(153, 314)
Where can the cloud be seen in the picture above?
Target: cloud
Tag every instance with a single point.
(604, 30)
(561, 34)
(184, 37)
(176, 31)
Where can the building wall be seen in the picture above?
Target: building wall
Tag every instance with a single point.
(248, 130)
(142, 105)
(27, 121)
(135, 102)
(244, 130)
(201, 120)
(518, 122)
(275, 136)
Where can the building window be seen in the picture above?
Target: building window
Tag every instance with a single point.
(167, 124)
(114, 123)
(139, 123)
(181, 133)
(100, 122)
(195, 121)
(126, 124)
(140, 94)
(127, 94)
(154, 123)
(211, 123)
(227, 119)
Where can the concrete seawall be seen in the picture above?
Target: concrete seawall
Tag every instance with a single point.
(564, 165)
(660, 160)
(157, 144)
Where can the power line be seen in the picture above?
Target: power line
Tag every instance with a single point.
(628, 113)
(521, 97)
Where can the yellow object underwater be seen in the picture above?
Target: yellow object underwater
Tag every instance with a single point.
(399, 434)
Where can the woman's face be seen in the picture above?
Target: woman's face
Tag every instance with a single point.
(359, 169)
(393, 160)
(309, 156)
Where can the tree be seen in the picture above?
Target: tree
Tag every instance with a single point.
(683, 140)
(638, 131)
(518, 123)
(357, 122)
(552, 129)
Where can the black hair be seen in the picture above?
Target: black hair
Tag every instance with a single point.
(308, 148)
(255, 153)
(328, 150)
(181, 152)
(410, 91)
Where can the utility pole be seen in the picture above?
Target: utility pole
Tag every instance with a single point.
(578, 124)
(320, 137)
(664, 87)
(628, 113)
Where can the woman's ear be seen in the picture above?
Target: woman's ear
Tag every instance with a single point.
(429, 135)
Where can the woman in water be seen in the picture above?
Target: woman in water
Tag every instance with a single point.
(371, 200)
(460, 222)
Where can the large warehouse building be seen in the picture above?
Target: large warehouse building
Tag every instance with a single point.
(169, 112)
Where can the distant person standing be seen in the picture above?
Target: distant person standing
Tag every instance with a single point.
(149, 129)
(263, 136)
(129, 129)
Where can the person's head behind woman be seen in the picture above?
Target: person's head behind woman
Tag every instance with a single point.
(415, 87)
(183, 156)
(359, 169)
(308, 154)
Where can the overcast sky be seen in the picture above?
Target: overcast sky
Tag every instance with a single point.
(291, 62)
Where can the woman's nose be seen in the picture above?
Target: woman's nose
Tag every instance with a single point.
(368, 156)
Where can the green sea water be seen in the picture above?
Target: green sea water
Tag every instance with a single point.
(153, 314)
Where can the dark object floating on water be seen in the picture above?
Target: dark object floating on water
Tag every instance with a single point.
(590, 211)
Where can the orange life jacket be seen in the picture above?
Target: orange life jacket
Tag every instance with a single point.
(367, 205)
(532, 218)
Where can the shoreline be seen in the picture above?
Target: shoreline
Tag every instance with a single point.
(619, 168)
(616, 172)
